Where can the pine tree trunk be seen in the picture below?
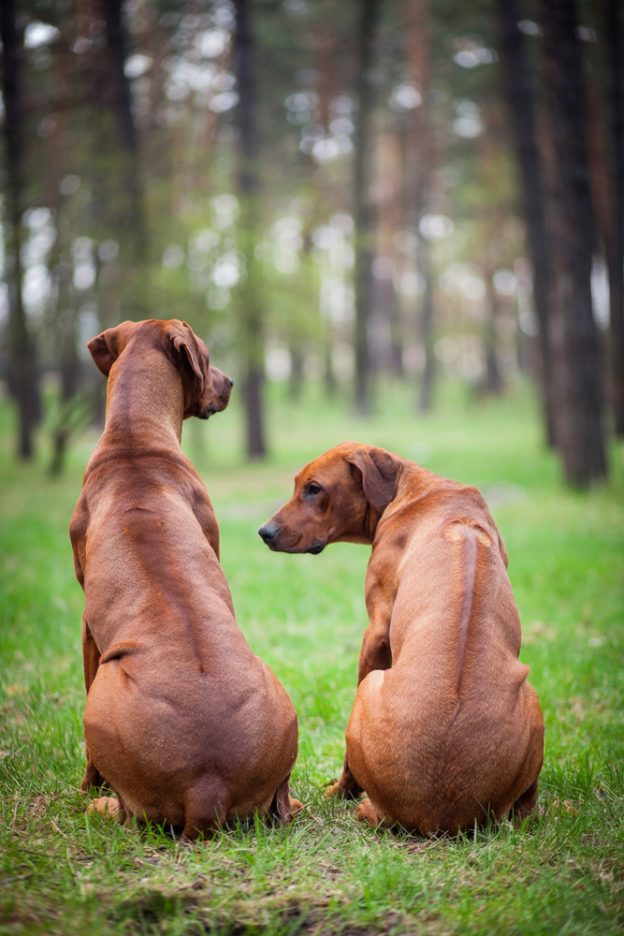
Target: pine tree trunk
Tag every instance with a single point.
(23, 378)
(132, 216)
(577, 391)
(492, 377)
(250, 311)
(612, 18)
(362, 210)
(419, 160)
(520, 95)
(425, 324)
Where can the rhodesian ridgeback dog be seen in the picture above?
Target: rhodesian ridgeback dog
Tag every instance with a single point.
(445, 731)
(182, 721)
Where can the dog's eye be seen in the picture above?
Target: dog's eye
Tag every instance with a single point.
(312, 489)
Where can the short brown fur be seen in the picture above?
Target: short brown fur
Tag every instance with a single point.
(445, 730)
(183, 722)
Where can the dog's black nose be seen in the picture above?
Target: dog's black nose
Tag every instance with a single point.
(268, 532)
(230, 382)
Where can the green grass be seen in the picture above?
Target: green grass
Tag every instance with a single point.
(64, 872)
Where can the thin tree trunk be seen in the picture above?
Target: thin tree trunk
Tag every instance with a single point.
(425, 324)
(363, 211)
(329, 374)
(389, 191)
(577, 392)
(297, 370)
(250, 311)
(520, 94)
(492, 378)
(23, 378)
(419, 159)
(612, 18)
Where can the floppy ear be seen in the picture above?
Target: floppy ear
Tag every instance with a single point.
(106, 347)
(379, 470)
(185, 343)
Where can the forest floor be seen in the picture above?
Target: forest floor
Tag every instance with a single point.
(561, 871)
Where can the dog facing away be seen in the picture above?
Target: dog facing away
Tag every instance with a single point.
(445, 731)
(182, 721)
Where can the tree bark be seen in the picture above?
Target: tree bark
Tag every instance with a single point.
(612, 19)
(520, 95)
(425, 325)
(132, 217)
(577, 392)
(23, 378)
(362, 207)
(389, 353)
(492, 377)
(419, 164)
(250, 311)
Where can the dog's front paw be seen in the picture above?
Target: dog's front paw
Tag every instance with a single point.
(346, 787)
(106, 805)
(296, 806)
(341, 790)
(334, 789)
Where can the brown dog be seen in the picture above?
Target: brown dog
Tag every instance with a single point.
(182, 720)
(445, 730)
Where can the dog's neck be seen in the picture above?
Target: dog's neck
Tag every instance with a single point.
(144, 396)
(413, 484)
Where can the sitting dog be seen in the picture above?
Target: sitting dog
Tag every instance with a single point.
(445, 730)
(183, 721)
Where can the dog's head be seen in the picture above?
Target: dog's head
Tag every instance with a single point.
(338, 496)
(206, 388)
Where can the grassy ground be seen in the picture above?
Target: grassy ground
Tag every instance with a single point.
(64, 872)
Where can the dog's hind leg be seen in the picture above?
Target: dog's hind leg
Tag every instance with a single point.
(91, 661)
(526, 803)
(284, 806)
(367, 812)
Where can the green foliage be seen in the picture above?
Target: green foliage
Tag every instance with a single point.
(561, 871)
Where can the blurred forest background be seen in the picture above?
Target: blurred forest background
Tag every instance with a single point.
(338, 192)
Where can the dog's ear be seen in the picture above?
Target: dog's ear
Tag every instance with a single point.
(379, 471)
(185, 343)
(106, 347)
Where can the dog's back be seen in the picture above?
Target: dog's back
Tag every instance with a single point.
(455, 702)
(182, 720)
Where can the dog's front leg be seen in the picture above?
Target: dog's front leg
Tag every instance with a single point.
(375, 652)
(374, 655)
(90, 662)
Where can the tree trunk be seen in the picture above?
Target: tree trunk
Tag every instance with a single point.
(419, 163)
(297, 370)
(23, 378)
(520, 95)
(390, 198)
(250, 311)
(577, 392)
(425, 325)
(362, 207)
(492, 378)
(132, 208)
(615, 239)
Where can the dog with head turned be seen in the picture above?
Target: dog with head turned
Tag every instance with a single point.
(445, 731)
